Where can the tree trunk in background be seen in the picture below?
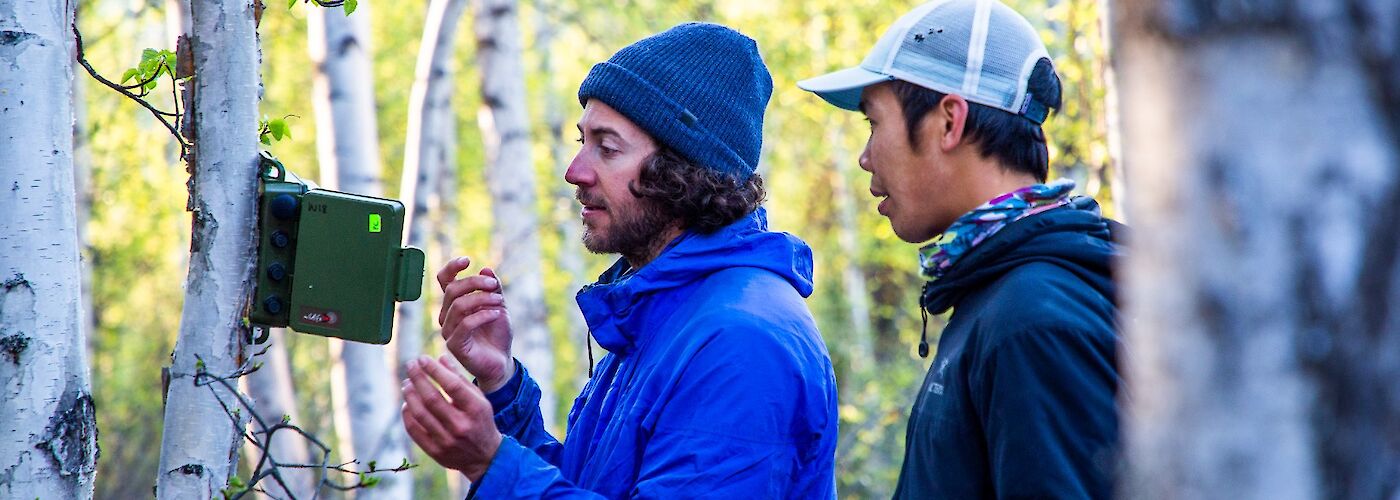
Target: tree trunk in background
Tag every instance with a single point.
(48, 438)
(429, 151)
(426, 155)
(510, 178)
(366, 400)
(200, 443)
(274, 397)
(565, 209)
(1113, 129)
(1263, 341)
(852, 276)
(177, 21)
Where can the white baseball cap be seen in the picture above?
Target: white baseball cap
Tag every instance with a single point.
(978, 49)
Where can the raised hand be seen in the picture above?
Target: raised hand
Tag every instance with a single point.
(458, 432)
(475, 323)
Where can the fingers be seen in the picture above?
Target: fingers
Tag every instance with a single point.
(450, 270)
(466, 296)
(426, 439)
(465, 396)
(439, 411)
(418, 419)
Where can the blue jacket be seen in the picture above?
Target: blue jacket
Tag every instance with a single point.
(717, 383)
(1019, 402)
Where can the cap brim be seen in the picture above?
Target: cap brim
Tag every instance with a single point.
(843, 88)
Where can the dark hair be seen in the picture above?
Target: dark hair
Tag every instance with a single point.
(1014, 140)
(703, 199)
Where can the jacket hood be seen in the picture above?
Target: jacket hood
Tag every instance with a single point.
(612, 305)
(1074, 237)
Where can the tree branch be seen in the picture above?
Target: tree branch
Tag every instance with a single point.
(160, 115)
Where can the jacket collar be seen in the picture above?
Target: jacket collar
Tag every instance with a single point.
(618, 308)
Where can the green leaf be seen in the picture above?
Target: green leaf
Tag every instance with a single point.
(371, 465)
(279, 129)
(287, 419)
(291, 4)
(350, 6)
(131, 73)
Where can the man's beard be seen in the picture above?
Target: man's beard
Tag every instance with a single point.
(634, 230)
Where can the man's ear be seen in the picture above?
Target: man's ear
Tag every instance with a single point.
(951, 114)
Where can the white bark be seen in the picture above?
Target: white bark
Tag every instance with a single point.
(510, 178)
(1262, 337)
(82, 183)
(48, 438)
(570, 259)
(200, 442)
(177, 20)
(1112, 122)
(427, 152)
(852, 276)
(366, 399)
(274, 397)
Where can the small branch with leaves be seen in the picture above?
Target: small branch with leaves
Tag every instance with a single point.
(267, 466)
(154, 64)
(349, 5)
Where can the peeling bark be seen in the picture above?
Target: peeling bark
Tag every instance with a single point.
(48, 436)
(199, 445)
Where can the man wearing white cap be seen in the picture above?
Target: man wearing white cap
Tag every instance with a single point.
(1019, 400)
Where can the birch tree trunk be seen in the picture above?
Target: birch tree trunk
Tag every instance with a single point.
(367, 403)
(1263, 337)
(852, 276)
(1113, 129)
(199, 445)
(82, 183)
(48, 438)
(510, 178)
(274, 397)
(570, 259)
(427, 153)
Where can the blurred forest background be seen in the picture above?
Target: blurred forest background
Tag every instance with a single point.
(136, 235)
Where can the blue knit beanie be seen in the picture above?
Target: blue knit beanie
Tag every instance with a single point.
(697, 88)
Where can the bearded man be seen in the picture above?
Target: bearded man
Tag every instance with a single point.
(716, 382)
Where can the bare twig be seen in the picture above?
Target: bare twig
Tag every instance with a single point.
(261, 439)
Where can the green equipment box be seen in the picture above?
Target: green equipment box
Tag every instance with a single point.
(331, 263)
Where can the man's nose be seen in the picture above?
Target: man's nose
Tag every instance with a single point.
(579, 172)
(864, 160)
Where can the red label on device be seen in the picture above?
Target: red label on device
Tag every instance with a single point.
(320, 317)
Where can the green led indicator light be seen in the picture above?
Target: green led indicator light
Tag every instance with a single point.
(374, 223)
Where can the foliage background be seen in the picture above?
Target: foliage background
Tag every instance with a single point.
(137, 234)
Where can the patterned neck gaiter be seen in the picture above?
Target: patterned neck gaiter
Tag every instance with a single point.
(976, 226)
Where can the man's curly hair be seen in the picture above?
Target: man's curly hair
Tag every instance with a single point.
(702, 199)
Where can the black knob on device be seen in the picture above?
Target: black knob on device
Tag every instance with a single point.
(276, 271)
(272, 305)
(280, 239)
(284, 206)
